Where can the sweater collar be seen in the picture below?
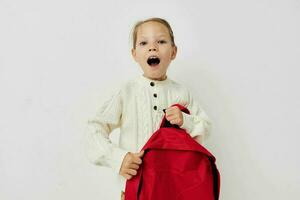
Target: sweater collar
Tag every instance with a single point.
(149, 82)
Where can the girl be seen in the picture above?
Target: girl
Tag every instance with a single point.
(139, 105)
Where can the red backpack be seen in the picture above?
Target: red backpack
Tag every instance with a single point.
(174, 167)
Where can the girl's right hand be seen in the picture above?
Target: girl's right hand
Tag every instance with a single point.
(131, 164)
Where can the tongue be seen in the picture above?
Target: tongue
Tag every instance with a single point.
(153, 64)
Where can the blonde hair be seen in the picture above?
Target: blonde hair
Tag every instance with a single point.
(154, 19)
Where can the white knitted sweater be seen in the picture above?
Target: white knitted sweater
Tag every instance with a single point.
(137, 109)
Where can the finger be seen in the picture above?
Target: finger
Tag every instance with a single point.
(132, 172)
(127, 176)
(169, 111)
(175, 121)
(128, 159)
(137, 160)
(140, 154)
(127, 163)
(134, 166)
(172, 117)
(172, 111)
(169, 115)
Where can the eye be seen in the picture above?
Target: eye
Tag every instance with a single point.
(162, 41)
(142, 43)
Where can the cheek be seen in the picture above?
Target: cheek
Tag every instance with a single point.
(167, 53)
(139, 57)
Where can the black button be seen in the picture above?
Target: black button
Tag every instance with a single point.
(155, 95)
(155, 107)
(152, 83)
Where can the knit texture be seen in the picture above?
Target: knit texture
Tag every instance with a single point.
(137, 109)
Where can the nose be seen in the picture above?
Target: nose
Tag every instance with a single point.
(152, 47)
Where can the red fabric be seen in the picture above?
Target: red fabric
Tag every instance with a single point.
(175, 167)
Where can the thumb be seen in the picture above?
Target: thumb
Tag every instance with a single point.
(141, 153)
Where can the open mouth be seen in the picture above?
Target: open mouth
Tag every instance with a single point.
(153, 61)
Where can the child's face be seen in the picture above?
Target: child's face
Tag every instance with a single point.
(154, 50)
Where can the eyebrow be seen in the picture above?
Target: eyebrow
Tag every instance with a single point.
(164, 35)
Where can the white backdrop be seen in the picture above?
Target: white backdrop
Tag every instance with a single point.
(59, 59)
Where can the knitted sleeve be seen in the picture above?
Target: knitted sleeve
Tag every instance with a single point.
(98, 147)
(197, 123)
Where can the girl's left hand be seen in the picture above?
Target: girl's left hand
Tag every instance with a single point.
(174, 115)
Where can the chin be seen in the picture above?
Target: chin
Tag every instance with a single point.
(157, 76)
